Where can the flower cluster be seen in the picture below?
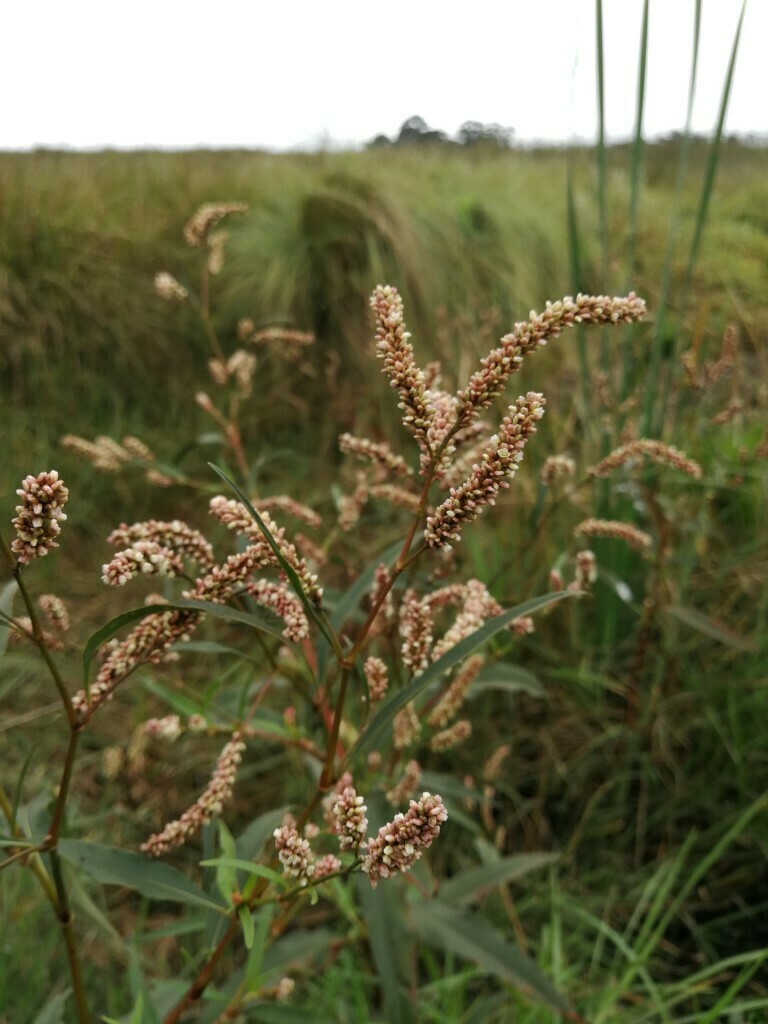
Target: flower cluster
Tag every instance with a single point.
(211, 802)
(453, 698)
(168, 288)
(235, 516)
(406, 727)
(281, 599)
(291, 341)
(377, 452)
(394, 348)
(166, 728)
(350, 821)
(477, 605)
(376, 675)
(206, 218)
(401, 842)
(223, 581)
(145, 557)
(656, 451)
(241, 366)
(175, 535)
(55, 611)
(499, 463)
(555, 467)
(409, 781)
(146, 643)
(41, 510)
(586, 570)
(294, 853)
(616, 530)
(451, 737)
(415, 627)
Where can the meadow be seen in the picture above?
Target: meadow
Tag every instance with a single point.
(615, 851)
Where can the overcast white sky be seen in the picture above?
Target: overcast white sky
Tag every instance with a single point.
(282, 74)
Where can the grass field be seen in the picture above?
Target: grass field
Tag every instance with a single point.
(636, 726)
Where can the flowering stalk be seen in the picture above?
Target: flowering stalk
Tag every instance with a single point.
(489, 381)
(208, 805)
(500, 461)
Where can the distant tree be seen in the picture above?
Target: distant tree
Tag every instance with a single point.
(475, 133)
(416, 131)
(380, 141)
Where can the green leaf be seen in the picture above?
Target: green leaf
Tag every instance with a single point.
(20, 783)
(296, 949)
(180, 704)
(251, 840)
(211, 647)
(226, 875)
(246, 921)
(112, 866)
(144, 1010)
(374, 731)
(7, 594)
(279, 1013)
(388, 939)
(510, 678)
(53, 1011)
(260, 870)
(79, 896)
(474, 938)
(711, 628)
(262, 919)
(473, 883)
(100, 637)
(208, 438)
(262, 620)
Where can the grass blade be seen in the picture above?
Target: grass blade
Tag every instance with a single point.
(637, 146)
(703, 209)
(474, 938)
(602, 189)
(575, 262)
(666, 280)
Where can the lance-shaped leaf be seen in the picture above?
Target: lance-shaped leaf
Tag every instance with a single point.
(387, 937)
(250, 868)
(711, 628)
(473, 883)
(474, 938)
(392, 704)
(7, 595)
(157, 881)
(262, 620)
(506, 677)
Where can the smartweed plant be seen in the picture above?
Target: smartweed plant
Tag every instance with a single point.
(361, 681)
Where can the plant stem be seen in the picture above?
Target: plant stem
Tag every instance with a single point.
(199, 985)
(64, 915)
(58, 811)
(333, 736)
(37, 632)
